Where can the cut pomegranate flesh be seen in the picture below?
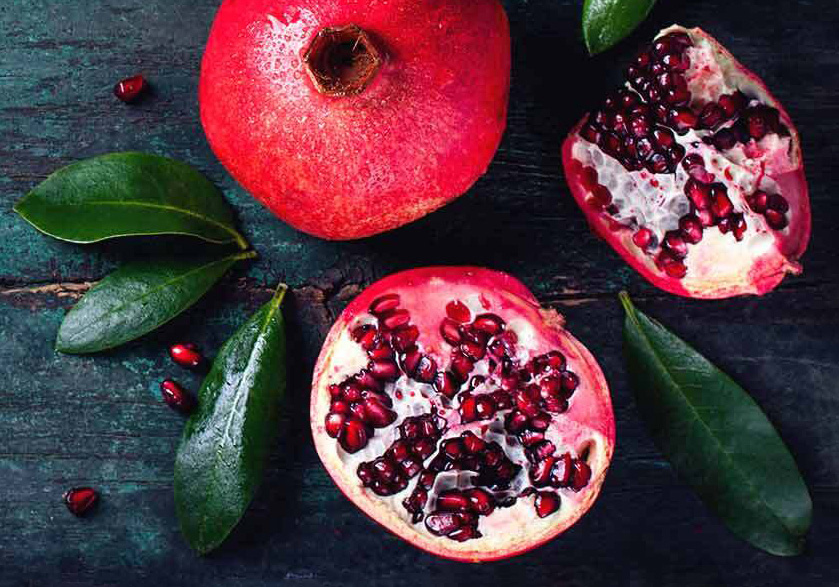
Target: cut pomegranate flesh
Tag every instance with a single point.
(473, 425)
(693, 172)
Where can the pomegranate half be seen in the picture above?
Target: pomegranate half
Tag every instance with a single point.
(458, 414)
(348, 118)
(693, 172)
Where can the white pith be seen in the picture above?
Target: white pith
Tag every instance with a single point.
(588, 425)
(658, 201)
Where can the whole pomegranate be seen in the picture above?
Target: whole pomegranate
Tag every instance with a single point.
(349, 118)
(693, 172)
(458, 414)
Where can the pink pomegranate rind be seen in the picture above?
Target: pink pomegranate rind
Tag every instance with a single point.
(584, 431)
(415, 136)
(720, 265)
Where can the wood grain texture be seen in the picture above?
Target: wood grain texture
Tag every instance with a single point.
(98, 421)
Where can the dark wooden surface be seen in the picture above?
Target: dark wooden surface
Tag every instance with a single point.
(97, 420)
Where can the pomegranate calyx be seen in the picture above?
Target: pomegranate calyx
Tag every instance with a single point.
(342, 61)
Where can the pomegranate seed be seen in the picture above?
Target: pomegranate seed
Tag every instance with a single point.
(642, 238)
(721, 205)
(738, 226)
(711, 116)
(473, 444)
(468, 410)
(540, 473)
(676, 244)
(186, 355)
(457, 311)
(461, 366)
(777, 202)
(489, 323)
(588, 178)
(354, 436)
(758, 201)
(480, 501)
(776, 219)
(691, 229)
(570, 381)
(543, 450)
(515, 422)
(130, 89)
(706, 218)
(385, 303)
(80, 500)
(540, 422)
(756, 124)
(446, 384)
(404, 337)
(725, 139)
(334, 423)
(683, 119)
(366, 335)
(581, 475)
(546, 503)
(441, 524)
(384, 370)
(394, 319)
(377, 415)
(426, 370)
(560, 473)
(484, 408)
(731, 104)
(450, 332)
(176, 397)
(340, 407)
(381, 350)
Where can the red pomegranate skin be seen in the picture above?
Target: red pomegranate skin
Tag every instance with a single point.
(418, 136)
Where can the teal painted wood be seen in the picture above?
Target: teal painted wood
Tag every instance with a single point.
(97, 420)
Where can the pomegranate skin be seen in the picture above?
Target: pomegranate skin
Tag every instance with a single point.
(419, 135)
(590, 420)
(744, 273)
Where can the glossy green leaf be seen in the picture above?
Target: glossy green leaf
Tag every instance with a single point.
(138, 298)
(225, 444)
(716, 437)
(605, 22)
(129, 194)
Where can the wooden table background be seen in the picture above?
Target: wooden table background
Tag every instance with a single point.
(97, 420)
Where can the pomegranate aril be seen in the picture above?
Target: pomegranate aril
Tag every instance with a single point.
(186, 355)
(683, 119)
(778, 203)
(468, 410)
(515, 422)
(540, 473)
(452, 501)
(711, 116)
(706, 217)
(732, 104)
(758, 201)
(484, 408)
(676, 244)
(384, 370)
(721, 205)
(394, 319)
(691, 229)
(542, 450)
(425, 370)
(457, 311)
(450, 331)
(570, 382)
(473, 350)
(340, 407)
(385, 303)
(643, 238)
(380, 350)
(581, 475)
(738, 225)
(404, 338)
(546, 503)
(480, 501)
(130, 89)
(354, 436)
(562, 471)
(724, 139)
(378, 415)
(366, 335)
(446, 384)
(176, 397)
(80, 500)
(461, 366)
(472, 443)
(776, 220)
(334, 423)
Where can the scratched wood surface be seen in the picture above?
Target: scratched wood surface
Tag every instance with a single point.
(97, 420)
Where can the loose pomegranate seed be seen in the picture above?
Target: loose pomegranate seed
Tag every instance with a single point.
(186, 355)
(130, 89)
(176, 397)
(80, 500)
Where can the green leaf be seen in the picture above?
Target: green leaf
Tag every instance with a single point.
(136, 299)
(225, 444)
(605, 22)
(129, 194)
(716, 437)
